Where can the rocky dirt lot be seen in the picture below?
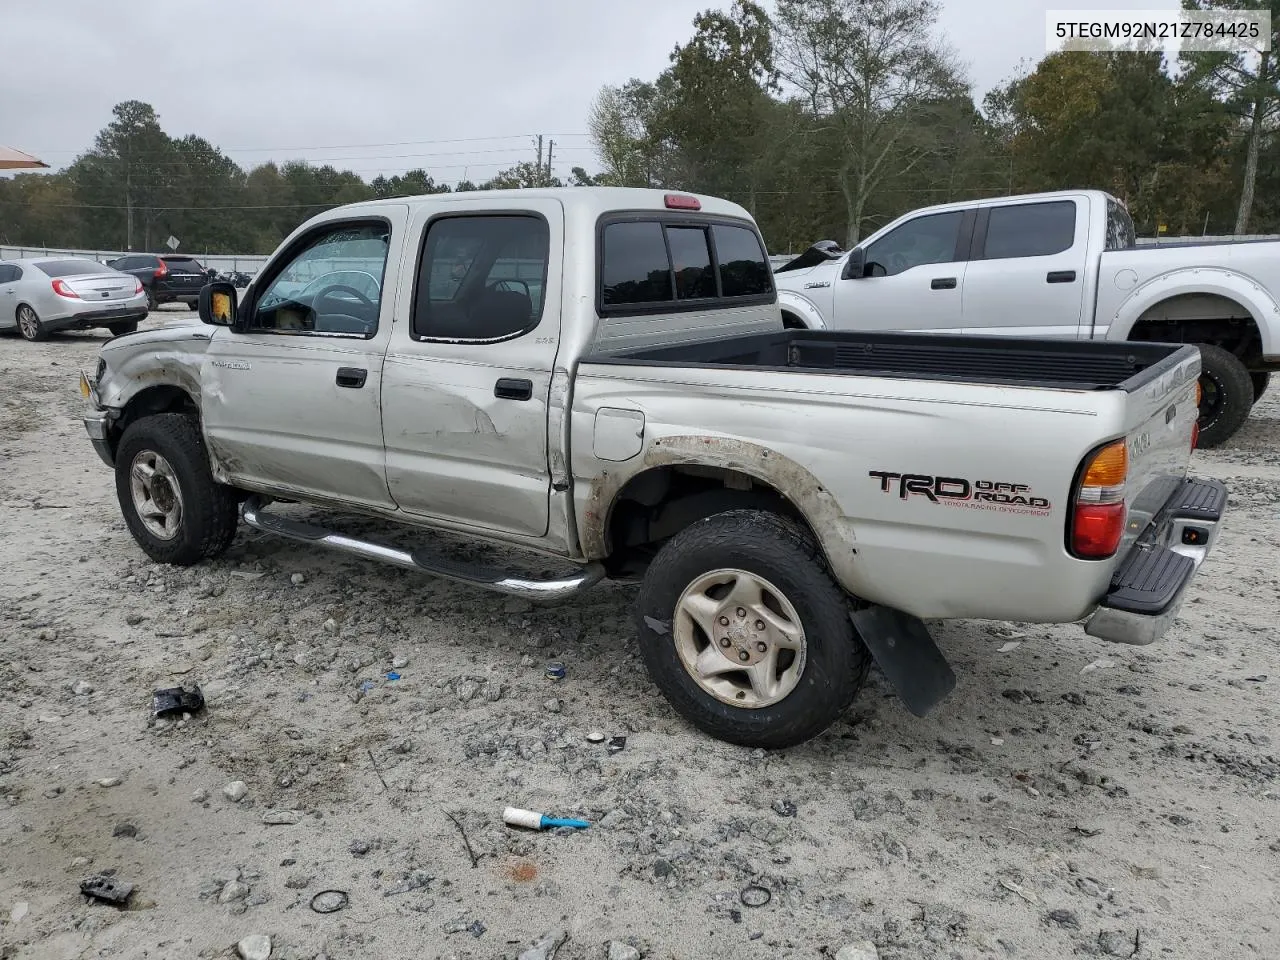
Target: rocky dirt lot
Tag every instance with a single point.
(1071, 799)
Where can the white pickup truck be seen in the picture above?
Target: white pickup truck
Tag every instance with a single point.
(1062, 265)
(602, 377)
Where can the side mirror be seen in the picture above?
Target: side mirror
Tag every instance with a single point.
(218, 304)
(855, 266)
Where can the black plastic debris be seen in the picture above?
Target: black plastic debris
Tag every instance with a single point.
(107, 889)
(617, 744)
(177, 700)
(329, 901)
(755, 895)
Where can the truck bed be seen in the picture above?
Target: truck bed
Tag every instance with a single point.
(1060, 364)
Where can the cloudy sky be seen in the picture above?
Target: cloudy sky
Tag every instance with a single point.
(381, 86)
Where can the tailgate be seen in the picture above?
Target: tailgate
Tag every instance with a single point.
(1159, 420)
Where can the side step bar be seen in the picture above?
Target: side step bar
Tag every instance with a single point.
(425, 561)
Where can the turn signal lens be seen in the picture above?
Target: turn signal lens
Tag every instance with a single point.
(1109, 466)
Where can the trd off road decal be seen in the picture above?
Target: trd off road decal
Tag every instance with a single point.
(971, 494)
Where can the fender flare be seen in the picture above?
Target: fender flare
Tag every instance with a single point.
(803, 308)
(1214, 281)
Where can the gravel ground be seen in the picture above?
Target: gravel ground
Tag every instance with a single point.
(1071, 798)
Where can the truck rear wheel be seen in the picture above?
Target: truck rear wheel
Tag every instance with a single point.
(745, 632)
(1226, 395)
(170, 501)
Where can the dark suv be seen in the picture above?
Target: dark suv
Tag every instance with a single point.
(167, 278)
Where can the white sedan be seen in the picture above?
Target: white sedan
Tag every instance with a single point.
(40, 296)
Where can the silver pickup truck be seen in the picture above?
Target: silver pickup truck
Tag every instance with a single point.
(602, 376)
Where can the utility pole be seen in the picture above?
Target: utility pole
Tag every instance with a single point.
(539, 155)
(550, 147)
(128, 204)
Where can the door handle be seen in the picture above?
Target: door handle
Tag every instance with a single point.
(943, 283)
(508, 388)
(1061, 276)
(351, 376)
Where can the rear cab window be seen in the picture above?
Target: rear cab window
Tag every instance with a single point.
(655, 263)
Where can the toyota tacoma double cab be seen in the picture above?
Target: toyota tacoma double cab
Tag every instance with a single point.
(1062, 265)
(602, 377)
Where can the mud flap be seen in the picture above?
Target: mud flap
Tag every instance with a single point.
(907, 655)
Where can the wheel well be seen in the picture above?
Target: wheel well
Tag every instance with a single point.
(1202, 318)
(791, 321)
(652, 507)
(160, 399)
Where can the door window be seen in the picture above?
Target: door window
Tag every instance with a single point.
(481, 277)
(331, 285)
(928, 239)
(1030, 230)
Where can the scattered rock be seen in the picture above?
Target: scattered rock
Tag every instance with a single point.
(493, 691)
(595, 736)
(82, 688)
(233, 891)
(109, 782)
(784, 808)
(862, 950)
(47, 634)
(298, 579)
(21, 909)
(1116, 943)
(200, 795)
(662, 869)
(254, 947)
(467, 690)
(545, 948)
(554, 705)
(399, 662)
(402, 746)
(125, 830)
(359, 848)
(623, 951)
(235, 791)
(1065, 918)
(299, 881)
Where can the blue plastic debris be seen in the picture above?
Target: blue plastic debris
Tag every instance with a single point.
(392, 675)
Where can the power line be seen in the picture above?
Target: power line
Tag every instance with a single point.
(337, 146)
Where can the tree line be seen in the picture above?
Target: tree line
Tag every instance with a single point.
(825, 120)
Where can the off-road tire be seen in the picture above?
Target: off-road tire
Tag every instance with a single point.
(29, 326)
(123, 327)
(778, 550)
(209, 509)
(1228, 375)
(1260, 383)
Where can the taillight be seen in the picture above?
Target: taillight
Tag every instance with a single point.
(162, 269)
(1098, 513)
(682, 201)
(137, 286)
(61, 289)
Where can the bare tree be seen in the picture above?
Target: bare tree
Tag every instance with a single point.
(869, 69)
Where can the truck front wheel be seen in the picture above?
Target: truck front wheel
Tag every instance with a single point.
(1260, 383)
(1226, 395)
(174, 508)
(746, 634)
